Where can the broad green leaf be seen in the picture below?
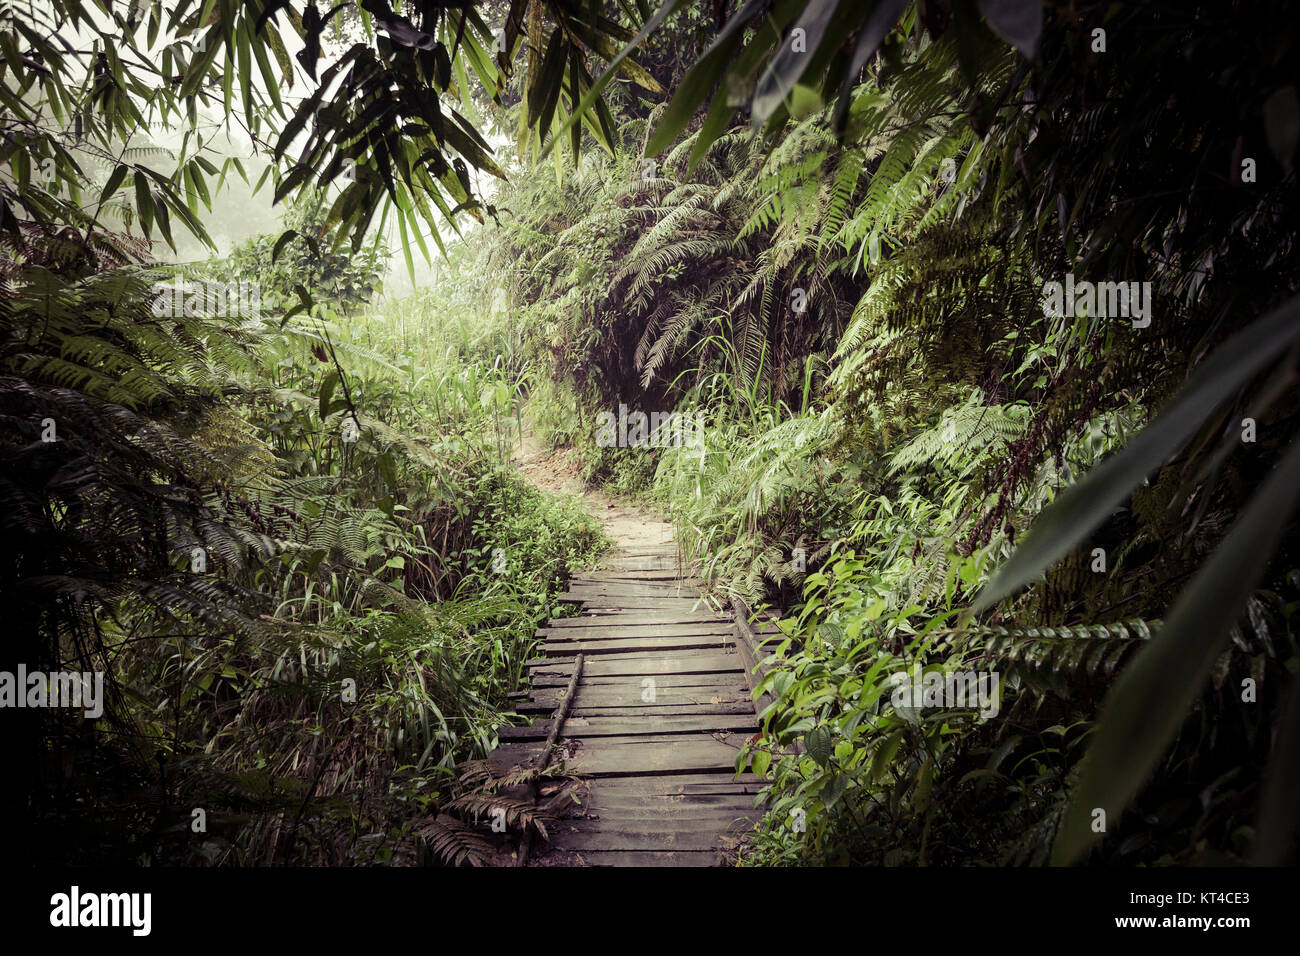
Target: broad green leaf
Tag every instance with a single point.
(114, 181)
(1282, 124)
(796, 55)
(1149, 701)
(584, 106)
(1082, 507)
(327, 386)
(818, 744)
(703, 76)
(804, 102)
(1279, 810)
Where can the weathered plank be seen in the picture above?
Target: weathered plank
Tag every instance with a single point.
(542, 680)
(651, 588)
(660, 787)
(746, 783)
(612, 617)
(616, 631)
(639, 585)
(615, 645)
(736, 707)
(646, 564)
(653, 686)
(668, 578)
(581, 726)
(634, 755)
(670, 700)
(662, 699)
(662, 814)
(631, 602)
(703, 837)
(675, 858)
(603, 802)
(650, 665)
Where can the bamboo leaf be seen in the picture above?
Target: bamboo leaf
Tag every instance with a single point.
(1080, 508)
(1149, 701)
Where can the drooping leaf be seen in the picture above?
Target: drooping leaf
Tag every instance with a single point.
(579, 113)
(1282, 124)
(796, 55)
(883, 17)
(1149, 701)
(818, 744)
(1082, 507)
(1019, 22)
(1277, 841)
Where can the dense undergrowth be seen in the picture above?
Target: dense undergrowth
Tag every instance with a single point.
(295, 544)
(323, 609)
(859, 324)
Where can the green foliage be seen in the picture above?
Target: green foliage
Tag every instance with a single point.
(847, 295)
(921, 212)
(201, 527)
(306, 255)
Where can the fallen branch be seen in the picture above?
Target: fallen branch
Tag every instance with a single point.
(557, 721)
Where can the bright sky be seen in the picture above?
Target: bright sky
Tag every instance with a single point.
(237, 213)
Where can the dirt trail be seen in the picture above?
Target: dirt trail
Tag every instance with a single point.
(631, 527)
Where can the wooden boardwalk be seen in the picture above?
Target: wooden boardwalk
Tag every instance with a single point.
(660, 710)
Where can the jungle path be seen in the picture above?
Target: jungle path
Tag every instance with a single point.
(659, 711)
(628, 526)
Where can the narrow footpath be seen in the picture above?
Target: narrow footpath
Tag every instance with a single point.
(660, 708)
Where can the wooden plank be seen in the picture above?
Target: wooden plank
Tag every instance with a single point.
(648, 562)
(668, 574)
(738, 707)
(616, 618)
(639, 756)
(623, 696)
(614, 645)
(631, 695)
(580, 726)
(563, 664)
(629, 602)
(658, 589)
(646, 712)
(696, 806)
(541, 680)
(674, 858)
(653, 586)
(730, 684)
(605, 801)
(667, 606)
(637, 577)
(582, 840)
(747, 783)
(684, 662)
(579, 635)
(656, 711)
(666, 818)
